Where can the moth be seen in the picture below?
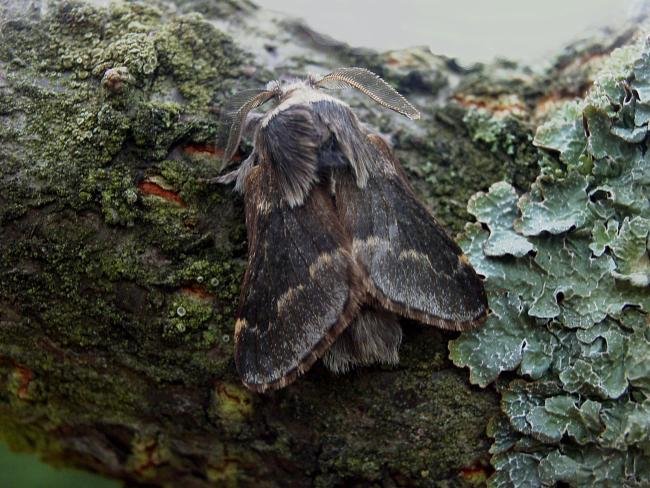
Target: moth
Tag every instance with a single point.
(339, 247)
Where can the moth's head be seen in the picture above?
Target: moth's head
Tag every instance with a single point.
(361, 79)
(282, 90)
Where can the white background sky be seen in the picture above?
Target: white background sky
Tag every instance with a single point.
(472, 30)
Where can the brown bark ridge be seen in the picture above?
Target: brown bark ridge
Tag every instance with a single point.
(121, 270)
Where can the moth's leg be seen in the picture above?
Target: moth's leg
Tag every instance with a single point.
(373, 337)
(237, 175)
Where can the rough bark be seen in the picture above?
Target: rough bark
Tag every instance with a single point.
(121, 271)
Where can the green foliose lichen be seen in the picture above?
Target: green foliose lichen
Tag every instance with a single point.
(566, 269)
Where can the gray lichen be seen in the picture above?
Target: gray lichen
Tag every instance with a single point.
(566, 265)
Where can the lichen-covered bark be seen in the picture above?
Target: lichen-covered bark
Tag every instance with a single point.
(121, 270)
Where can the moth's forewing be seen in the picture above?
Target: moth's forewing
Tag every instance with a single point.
(413, 267)
(301, 288)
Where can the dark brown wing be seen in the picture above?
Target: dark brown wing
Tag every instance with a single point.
(301, 288)
(414, 269)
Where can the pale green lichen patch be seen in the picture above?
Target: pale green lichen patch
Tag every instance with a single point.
(503, 239)
(572, 317)
(557, 211)
(564, 133)
(632, 263)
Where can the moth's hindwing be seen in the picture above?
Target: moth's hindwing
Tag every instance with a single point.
(412, 266)
(301, 287)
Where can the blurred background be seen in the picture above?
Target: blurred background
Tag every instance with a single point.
(470, 30)
(19, 470)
